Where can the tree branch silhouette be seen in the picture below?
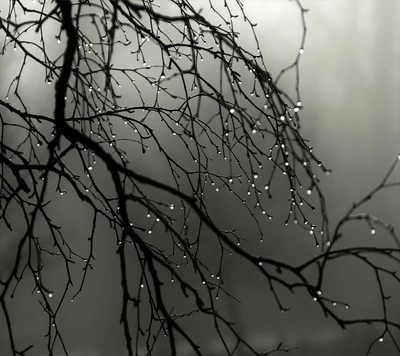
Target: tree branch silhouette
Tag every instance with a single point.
(237, 131)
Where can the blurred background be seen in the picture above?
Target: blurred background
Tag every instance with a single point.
(350, 86)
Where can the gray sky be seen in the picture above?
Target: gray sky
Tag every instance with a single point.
(350, 82)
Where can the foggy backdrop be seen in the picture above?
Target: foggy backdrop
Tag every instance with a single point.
(350, 86)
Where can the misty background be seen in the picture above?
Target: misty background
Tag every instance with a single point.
(350, 85)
